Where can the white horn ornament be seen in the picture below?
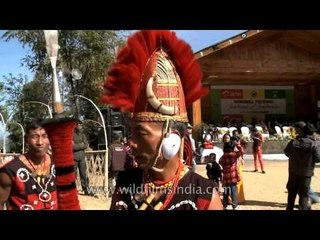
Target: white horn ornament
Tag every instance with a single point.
(155, 103)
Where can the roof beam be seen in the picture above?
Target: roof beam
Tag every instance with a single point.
(303, 40)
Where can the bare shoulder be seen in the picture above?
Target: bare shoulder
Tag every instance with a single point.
(206, 184)
(5, 188)
(215, 203)
(5, 180)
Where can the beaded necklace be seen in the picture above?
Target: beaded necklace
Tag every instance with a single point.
(181, 172)
(169, 187)
(44, 195)
(157, 187)
(36, 174)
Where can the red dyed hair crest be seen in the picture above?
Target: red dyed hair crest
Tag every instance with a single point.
(155, 76)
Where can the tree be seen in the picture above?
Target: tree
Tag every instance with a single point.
(89, 51)
(12, 108)
(13, 90)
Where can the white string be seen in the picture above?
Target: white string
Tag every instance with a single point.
(166, 131)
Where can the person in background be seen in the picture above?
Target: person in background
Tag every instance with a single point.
(257, 150)
(303, 152)
(130, 161)
(207, 143)
(193, 146)
(214, 132)
(214, 169)
(80, 144)
(228, 161)
(313, 197)
(117, 160)
(28, 181)
(207, 148)
(240, 162)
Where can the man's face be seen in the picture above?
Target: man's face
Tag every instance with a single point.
(38, 142)
(145, 142)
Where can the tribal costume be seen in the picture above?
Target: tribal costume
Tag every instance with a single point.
(30, 191)
(194, 192)
(155, 77)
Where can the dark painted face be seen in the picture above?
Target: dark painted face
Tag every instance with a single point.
(38, 142)
(145, 142)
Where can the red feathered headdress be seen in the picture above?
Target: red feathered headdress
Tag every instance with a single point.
(155, 76)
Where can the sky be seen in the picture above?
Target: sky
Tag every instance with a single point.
(12, 52)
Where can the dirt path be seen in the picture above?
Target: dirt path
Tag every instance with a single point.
(262, 191)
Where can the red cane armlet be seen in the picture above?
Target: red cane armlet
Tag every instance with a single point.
(60, 133)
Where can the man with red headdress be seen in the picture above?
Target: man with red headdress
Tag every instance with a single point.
(155, 77)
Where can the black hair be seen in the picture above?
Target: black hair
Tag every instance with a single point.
(235, 138)
(228, 146)
(235, 131)
(33, 125)
(116, 137)
(214, 172)
(212, 157)
(308, 129)
(179, 126)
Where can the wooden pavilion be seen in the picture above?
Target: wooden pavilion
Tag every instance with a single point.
(278, 69)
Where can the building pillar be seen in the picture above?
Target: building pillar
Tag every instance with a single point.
(196, 113)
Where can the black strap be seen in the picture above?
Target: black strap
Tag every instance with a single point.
(64, 170)
(66, 187)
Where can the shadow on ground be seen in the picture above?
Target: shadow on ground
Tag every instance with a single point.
(252, 171)
(263, 203)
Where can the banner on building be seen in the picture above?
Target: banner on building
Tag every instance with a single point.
(241, 106)
(246, 102)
